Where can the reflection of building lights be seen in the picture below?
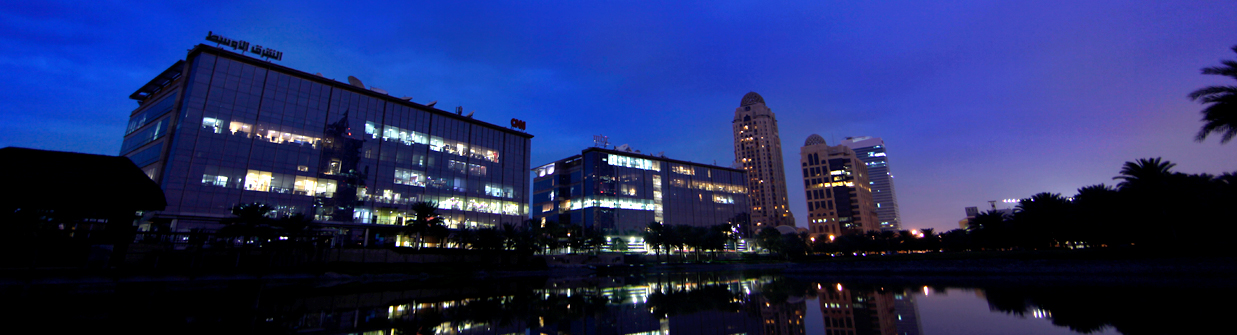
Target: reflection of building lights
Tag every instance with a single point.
(925, 291)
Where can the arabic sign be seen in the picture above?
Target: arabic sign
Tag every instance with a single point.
(243, 46)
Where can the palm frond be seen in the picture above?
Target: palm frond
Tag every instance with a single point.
(1230, 70)
(1211, 91)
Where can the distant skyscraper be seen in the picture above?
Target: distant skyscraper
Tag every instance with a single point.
(871, 150)
(759, 149)
(839, 196)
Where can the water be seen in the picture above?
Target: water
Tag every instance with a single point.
(690, 303)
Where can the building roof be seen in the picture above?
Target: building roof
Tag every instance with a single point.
(646, 156)
(751, 98)
(346, 86)
(76, 181)
(862, 142)
(158, 83)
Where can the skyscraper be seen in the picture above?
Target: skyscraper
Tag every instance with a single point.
(839, 197)
(759, 149)
(871, 150)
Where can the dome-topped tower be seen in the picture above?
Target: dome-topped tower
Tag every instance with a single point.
(814, 140)
(751, 98)
(759, 149)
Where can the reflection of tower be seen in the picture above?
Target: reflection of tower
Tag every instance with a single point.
(783, 318)
(907, 314)
(759, 149)
(858, 312)
(340, 155)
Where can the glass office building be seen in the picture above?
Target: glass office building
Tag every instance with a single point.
(620, 192)
(871, 150)
(220, 129)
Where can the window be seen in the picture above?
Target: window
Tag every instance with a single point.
(409, 177)
(258, 181)
(631, 162)
(333, 168)
(476, 170)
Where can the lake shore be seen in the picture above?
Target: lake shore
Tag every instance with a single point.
(957, 265)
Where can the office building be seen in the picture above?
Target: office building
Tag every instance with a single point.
(871, 150)
(758, 149)
(620, 192)
(839, 198)
(220, 129)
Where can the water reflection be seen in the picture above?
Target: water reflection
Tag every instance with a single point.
(643, 304)
(684, 304)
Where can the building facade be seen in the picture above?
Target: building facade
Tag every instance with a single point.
(221, 129)
(758, 149)
(871, 150)
(620, 192)
(839, 198)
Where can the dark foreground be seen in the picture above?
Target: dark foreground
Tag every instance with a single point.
(766, 298)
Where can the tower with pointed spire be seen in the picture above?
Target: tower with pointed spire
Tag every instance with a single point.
(758, 149)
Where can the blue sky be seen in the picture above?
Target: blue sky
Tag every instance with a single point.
(976, 100)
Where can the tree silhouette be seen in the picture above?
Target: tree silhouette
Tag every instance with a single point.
(1220, 113)
(426, 222)
(1145, 173)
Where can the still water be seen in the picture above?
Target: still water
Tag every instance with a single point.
(690, 303)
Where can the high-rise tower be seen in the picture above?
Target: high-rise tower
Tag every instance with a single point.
(871, 150)
(839, 196)
(758, 149)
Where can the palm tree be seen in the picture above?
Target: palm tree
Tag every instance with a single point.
(1147, 171)
(1220, 115)
(427, 219)
(654, 236)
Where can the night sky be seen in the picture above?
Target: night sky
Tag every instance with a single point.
(976, 100)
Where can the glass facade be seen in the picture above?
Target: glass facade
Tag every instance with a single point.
(620, 193)
(247, 131)
(871, 150)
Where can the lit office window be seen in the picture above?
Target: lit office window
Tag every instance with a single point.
(409, 177)
(258, 181)
(632, 162)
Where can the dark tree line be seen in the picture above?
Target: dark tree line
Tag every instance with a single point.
(664, 238)
(1151, 206)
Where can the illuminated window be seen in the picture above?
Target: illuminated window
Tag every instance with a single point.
(682, 169)
(333, 168)
(212, 124)
(632, 162)
(409, 177)
(258, 181)
(545, 170)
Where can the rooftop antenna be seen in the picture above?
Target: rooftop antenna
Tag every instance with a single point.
(379, 90)
(406, 98)
(355, 82)
(431, 104)
(459, 110)
(601, 140)
(470, 114)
